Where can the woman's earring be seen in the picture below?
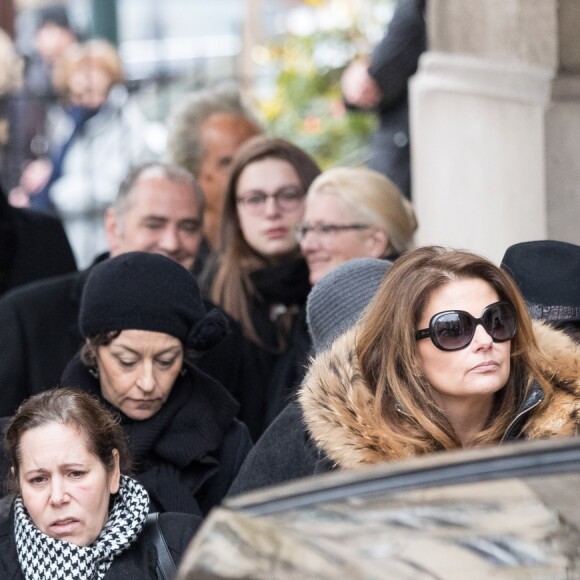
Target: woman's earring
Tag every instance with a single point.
(94, 371)
(183, 371)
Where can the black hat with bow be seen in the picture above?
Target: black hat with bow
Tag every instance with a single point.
(144, 291)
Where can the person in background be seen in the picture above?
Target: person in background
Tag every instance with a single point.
(260, 279)
(445, 357)
(96, 137)
(380, 84)
(11, 66)
(53, 34)
(547, 273)
(32, 246)
(353, 213)
(144, 323)
(285, 450)
(159, 208)
(77, 513)
(205, 131)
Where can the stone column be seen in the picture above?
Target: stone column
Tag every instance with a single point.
(495, 124)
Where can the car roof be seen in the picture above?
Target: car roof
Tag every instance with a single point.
(503, 512)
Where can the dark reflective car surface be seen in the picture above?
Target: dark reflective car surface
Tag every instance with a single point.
(507, 512)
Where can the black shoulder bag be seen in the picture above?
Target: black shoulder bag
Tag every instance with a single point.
(165, 566)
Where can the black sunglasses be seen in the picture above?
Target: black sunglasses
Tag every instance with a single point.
(454, 329)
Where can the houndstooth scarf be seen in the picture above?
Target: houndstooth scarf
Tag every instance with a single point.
(44, 558)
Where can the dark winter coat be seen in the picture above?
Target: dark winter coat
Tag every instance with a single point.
(284, 452)
(136, 562)
(186, 455)
(33, 246)
(39, 335)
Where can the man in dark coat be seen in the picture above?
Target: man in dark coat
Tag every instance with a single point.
(159, 208)
(381, 85)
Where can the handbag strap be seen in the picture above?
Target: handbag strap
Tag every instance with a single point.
(165, 566)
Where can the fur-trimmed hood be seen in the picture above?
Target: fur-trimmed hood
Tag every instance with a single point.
(338, 405)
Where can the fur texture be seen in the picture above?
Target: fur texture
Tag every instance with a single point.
(338, 405)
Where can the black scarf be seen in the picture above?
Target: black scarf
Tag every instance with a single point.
(281, 293)
(42, 557)
(173, 451)
(283, 284)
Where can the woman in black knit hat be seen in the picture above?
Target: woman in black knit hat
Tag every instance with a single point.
(143, 320)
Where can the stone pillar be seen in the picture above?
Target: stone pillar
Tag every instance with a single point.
(495, 122)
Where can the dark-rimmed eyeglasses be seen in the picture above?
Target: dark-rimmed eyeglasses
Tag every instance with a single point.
(454, 329)
(325, 230)
(286, 198)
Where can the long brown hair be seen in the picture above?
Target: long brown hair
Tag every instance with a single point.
(389, 356)
(232, 288)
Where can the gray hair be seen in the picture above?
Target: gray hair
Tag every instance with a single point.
(184, 126)
(157, 168)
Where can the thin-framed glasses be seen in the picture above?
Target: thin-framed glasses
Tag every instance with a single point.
(326, 231)
(454, 329)
(287, 198)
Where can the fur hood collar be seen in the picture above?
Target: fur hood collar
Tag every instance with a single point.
(338, 406)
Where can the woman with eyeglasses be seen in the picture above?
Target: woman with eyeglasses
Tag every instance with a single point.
(353, 213)
(261, 279)
(445, 357)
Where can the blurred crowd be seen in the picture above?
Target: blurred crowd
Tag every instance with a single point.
(219, 312)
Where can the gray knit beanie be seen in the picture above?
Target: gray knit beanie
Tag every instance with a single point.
(337, 301)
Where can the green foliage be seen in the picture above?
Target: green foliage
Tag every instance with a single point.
(306, 106)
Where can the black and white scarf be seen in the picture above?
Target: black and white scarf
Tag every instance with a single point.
(44, 558)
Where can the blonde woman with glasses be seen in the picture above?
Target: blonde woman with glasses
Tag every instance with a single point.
(353, 213)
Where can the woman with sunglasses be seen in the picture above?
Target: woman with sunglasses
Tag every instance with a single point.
(445, 357)
(260, 278)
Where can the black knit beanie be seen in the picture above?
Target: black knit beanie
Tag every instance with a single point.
(143, 291)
